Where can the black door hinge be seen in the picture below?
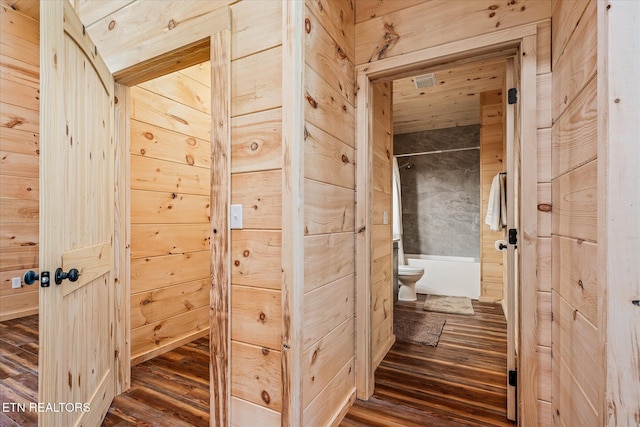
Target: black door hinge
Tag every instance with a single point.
(513, 236)
(512, 95)
(513, 378)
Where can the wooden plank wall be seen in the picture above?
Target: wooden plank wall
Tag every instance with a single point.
(328, 362)
(170, 175)
(19, 160)
(390, 29)
(382, 256)
(492, 162)
(578, 376)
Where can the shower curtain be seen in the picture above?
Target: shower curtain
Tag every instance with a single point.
(397, 211)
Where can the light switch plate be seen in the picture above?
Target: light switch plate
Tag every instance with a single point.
(236, 217)
(385, 217)
(16, 282)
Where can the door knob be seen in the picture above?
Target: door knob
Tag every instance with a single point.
(60, 275)
(30, 277)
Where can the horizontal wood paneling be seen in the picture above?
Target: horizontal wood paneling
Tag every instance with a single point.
(159, 271)
(573, 338)
(338, 20)
(256, 258)
(256, 82)
(161, 175)
(157, 304)
(260, 194)
(328, 208)
(570, 404)
(155, 338)
(327, 109)
(327, 159)
(326, 307)
(160, 239)
(170, 209)
(244, 413)
(329, 59)
(566, 16)
(574, 275)
(256, 316)
(151, 141)
(332, 398)
(433, 23)
(152, 207)
(255, 27)
(255, 375)
(256, 141)
(323, 360)
(19, 160)
(577, 67)
(574, 203)
(544, 375)
(152, 108)
(323, 266)
(575, 134)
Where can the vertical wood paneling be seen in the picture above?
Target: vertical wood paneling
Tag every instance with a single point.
(19, 161)
(491, 163)
(294, 250)
(619, 208)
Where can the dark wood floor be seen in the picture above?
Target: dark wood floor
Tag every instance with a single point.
(461, 382)
(171, 389)
(19, 369)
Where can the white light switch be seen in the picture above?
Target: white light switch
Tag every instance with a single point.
(16, 282)
(385, 217)
(236, 217)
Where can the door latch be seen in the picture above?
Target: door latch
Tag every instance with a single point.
(31, 277)
(513, 236)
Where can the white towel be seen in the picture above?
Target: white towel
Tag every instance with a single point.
(494, 215)
(396, 214)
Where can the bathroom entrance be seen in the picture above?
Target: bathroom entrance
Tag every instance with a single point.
(475, 165)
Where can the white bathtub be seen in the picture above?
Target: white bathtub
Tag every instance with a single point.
(447, 275)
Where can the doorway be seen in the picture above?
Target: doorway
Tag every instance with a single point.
(433, 59)
(210, 42)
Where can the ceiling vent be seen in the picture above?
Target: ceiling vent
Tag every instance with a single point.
(426, 80)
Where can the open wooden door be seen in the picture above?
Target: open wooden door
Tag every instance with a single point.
(76, 380)
(512, 133)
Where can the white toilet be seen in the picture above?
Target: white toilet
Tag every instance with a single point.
(408, 276)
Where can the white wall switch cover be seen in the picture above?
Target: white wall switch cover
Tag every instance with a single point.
(385, 217)
(236, 217)
(16, 282)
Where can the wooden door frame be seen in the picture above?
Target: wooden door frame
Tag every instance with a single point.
(185, 46)
(496, 44)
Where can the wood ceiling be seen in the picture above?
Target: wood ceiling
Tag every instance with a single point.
(453, 101)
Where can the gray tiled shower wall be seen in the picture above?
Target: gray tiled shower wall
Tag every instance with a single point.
(441, 192)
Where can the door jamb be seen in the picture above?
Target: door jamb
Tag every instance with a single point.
(218, 43)
(523, 37)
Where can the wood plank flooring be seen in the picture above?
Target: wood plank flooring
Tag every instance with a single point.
(170, 390)
(19, 369)
(461, 382)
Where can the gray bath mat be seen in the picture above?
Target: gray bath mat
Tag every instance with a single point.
(418, 327)
(445, 304)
